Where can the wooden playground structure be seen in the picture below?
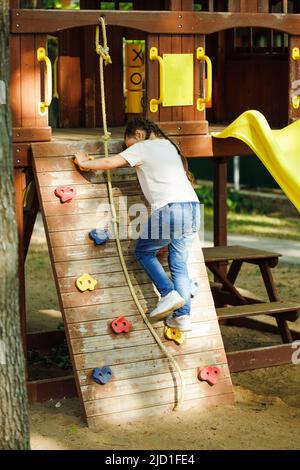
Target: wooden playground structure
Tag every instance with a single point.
(248, 42)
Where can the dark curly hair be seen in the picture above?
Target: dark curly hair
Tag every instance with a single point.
(143, 124)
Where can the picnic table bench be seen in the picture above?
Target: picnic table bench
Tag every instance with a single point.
(238, 305)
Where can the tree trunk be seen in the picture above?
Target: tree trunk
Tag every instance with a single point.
(14, 432)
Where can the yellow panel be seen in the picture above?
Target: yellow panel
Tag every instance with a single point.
(179, 79)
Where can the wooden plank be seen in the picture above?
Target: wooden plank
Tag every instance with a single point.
(236, 252)
(151, 367)
(66, 148)
(20, 186)
(106, 340)
(90, 329)
(31, 134)
(44, 390)
(57, 178)
(21, 155)
(123, 388)
(110, 265)
(99, 191)
(105, 296)
(89, 251)
(67, 284)
(270, 308)
(153, 22)
(165, 47)
(184, 128)
(143, 353)
(28, 100)
(109, 295)
(15, 80)
(88, 206)
(69, 71)
(114, 310)
(201, 404)
(146, 399)
(259, 358)
(202, 146)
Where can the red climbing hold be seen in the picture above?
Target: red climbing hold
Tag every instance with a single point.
(121, 325)
(209, 374)
(65, 193)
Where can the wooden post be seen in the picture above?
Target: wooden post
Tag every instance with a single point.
(20, 185)
(220, 197)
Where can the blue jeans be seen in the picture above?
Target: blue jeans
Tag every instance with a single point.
(174, 226)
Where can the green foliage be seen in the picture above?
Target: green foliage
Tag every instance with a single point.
(236, 202)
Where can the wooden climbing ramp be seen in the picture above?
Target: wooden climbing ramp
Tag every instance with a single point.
(143, 380)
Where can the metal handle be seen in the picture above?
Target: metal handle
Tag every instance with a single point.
(155, 102)
(296, 99)
(42, 57)
(201, 102)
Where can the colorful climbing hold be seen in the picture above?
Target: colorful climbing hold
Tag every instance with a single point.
(102, 375)
(86, 282)
(121, 325)
(65, 193)
(174, 334)
(99, 235)
(209, 374)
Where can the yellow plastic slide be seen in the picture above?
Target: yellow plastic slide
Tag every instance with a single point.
(279, 150)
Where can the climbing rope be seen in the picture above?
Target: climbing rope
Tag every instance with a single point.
(104, 58)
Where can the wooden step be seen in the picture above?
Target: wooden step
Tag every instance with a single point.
(264, 308)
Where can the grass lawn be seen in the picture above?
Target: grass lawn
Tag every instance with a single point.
(275, 226)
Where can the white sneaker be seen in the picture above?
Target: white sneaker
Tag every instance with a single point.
(182, 323)
(171, 302)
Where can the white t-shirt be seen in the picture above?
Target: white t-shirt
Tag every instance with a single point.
(160, 172)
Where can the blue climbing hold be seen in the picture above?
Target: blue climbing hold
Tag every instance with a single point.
(102, 375)
(99, 235)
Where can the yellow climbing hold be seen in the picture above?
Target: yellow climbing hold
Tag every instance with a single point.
(86, 282)
(174, 334)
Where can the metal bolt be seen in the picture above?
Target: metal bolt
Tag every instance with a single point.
(180, 26)
(18, 13)
(18, 150)
(180, 16)
(18, 161)
(18, 26)
(179, 128)
(18, 135)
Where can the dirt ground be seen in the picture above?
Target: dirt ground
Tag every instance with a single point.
(267, 410)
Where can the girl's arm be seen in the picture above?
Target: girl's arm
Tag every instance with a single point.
(82, 160)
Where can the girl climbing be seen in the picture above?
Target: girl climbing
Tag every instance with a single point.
(175, 218)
